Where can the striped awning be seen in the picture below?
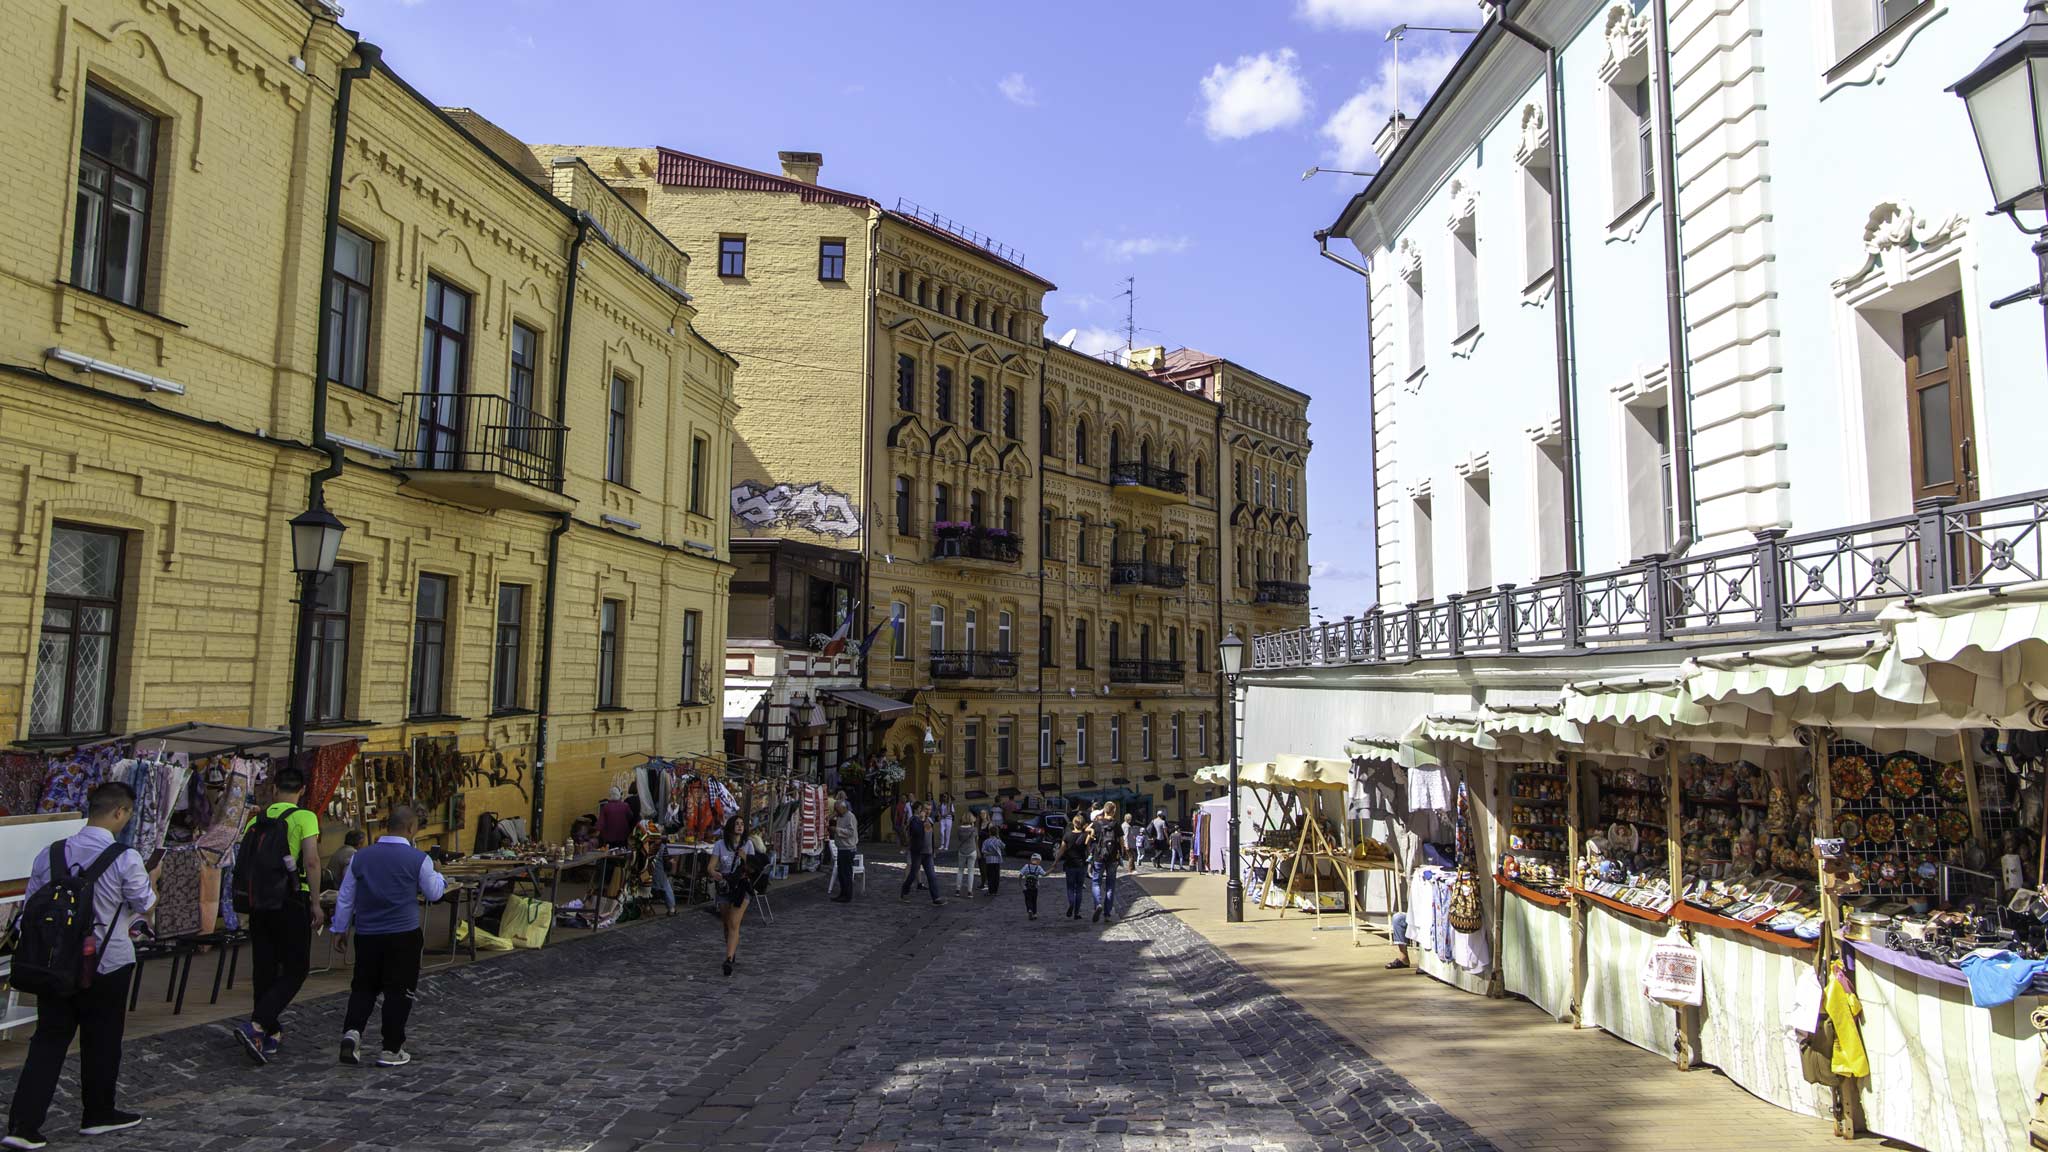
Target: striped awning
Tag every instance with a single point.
(2000, 633)
(1312, 772)
(1857, 681)
(1656, 702)
(1393, 750)
(1462, 729)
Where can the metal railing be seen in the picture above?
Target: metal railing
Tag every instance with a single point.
(964, 665)
(977, 544)
(474, 432)
(1779, 584)
(1281, 592)
(1137, 473)
(1147, 671)
(1149, 575)
(918, 211)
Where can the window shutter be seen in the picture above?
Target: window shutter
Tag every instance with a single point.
(1415, 347)
(1621, 144)
(1855, 24)
(1466, 249)
(1536, 221)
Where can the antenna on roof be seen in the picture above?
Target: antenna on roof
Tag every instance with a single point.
(1130, 295)
(1398, 33)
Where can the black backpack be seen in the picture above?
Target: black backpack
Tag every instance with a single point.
(266, 875)
(53, 953)
(1108, 846)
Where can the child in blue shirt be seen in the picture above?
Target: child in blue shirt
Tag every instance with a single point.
(1031, 874)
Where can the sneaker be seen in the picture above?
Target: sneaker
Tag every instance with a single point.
(352, 1047)
(252, 1038)
(113, 1121)
(24, 1138)
(270, 1046)
(398, 1059)
(1098, 916)
(938, 903)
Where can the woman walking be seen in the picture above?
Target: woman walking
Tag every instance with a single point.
(1072, 857)
(967, 850)
(733, 874)
(945, 813)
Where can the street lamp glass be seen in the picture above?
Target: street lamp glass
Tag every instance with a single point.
(2007, 98)
(316, 538)
(1230, 654)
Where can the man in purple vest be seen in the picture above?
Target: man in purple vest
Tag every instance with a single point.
(380, 898)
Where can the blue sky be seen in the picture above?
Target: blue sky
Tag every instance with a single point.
(1159, 140)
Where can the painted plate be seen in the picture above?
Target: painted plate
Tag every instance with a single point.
(1879, 828)
(1952, 783)
(1902, 777)
(1920, 831)
(1954, 826)
(1852, 777)
(1849, 827)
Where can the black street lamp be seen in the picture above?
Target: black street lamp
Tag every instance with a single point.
(1230, 658)
(2005, 96)
(316, 538)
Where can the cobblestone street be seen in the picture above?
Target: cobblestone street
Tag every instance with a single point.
(878, 1026)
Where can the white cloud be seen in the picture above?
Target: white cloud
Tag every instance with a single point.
(1092, 341)
(1351, 128)
(1017, 90)
(1132, 247)
(1381, 13)
(1256, 94)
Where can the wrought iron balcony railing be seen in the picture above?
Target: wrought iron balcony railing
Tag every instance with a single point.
(475, 432)
(1149, 575)
(1281, 592)
(1138, 474)
(992, 544)
(1779, 584)
(1147, 671)
(964, 665)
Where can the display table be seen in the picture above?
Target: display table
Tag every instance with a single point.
(1692, 915)
(1944, 1074)
(1536, 947)
(1618, 937)
(1749, 986)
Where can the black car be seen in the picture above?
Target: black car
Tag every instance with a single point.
(1040, 833)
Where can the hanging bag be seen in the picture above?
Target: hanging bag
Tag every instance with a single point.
(1464, 910)
(1671, 972)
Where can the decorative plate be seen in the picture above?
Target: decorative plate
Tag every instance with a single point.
(1902, 777)
(1890, 869)
(1879, 828)
(1954, 826)
(1849, 827)
(1952, 783)
(1920, 831)
(1852, 777)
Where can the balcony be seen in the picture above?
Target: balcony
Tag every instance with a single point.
(1771, 590)
(957, 541)
(1148, 575)
(1144, 671)
(974, 665)
(1149, 482)
(482, 451)
(1282, 592)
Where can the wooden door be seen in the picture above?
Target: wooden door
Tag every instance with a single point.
(1938, 415)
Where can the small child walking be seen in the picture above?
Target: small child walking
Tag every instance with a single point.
(992, 861)
(1032, 873)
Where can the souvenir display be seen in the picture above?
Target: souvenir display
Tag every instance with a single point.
(1851, 775)
(1538, 839)
(1623, 858)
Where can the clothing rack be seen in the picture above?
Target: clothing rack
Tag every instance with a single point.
(201, 740)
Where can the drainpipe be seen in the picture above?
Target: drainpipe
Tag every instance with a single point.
(551, 580)
(1226, 722)
(1567, 395)
(1043, 640)
(1677, 377)
(1372, 417)
(867, 433)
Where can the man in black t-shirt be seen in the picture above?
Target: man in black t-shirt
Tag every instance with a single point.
(1072, 855)
(917, 844)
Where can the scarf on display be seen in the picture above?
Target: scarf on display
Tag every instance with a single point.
(69, 778)
(157, 783)
(325, 767)
(21, 782)
(1466, 859)
(229, 783)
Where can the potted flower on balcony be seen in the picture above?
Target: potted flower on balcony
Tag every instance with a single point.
(945, 529)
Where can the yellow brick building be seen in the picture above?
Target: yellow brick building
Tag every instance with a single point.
(512, 373)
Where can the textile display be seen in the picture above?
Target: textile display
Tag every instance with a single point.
(328, 764)
(178, 894)
(1997, 976)
(1430, 896)
(1427, 790)
(1536, 954)
(158, 784)
(815, 804)
(230, 782)
(1616, 943)
(1671, 972)
(21, 782)
(68, 779)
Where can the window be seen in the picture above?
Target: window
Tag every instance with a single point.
(444, 374)
(1116, 738)
(732, 255)
(1258, 487)
(1858, 22)
(970, 635)
(618, 430)
(1550, 525)
(519, 390)
(1145, 738)
(1202, 734)
(1003, 746)
(942, 504)
(1081, 440)
(976, 508)
(348, 310)
(899, 631)
(1116, 447)
(922, 285)
(1080, 643)
(1938, 413)
(76, 650)
(1537, 259)
(1080, 739)
(1201, 650)
(693, 681)
(699, 447)
(332, 597)
(1478, 532)
(110, 237)
(977, 403)
(1045, 727)
(906, 382)
(1081, 541)
(1273, 488)
(1465, 275)
(1290, 493)
(1009, 520)
(1237, 480)
(903, 525)
(1010, 413)
(1646, 434)
(1047, 641)
(1632, 162)
(608, 654)
(506, 661)
(429, 645)
(938, 636)
(1173, 643)
(942, 393)
(1413, 298)
(1003, 630)
(1116, 641)
(831, 259)
(970, 747)
(1201, 477)
(1173, 736)
(1045, 437)
(1423, 520)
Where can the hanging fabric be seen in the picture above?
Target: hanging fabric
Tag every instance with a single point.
(21, 782)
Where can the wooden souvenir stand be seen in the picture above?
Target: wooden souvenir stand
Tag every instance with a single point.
(1307, 781)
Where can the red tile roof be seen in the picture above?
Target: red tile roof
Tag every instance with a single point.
(682, 170)
(1183, 359)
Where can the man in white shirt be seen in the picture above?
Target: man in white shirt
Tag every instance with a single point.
(98, 1013)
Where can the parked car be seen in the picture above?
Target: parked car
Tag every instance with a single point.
(1039, 832)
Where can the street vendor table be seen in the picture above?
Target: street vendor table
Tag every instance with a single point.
(600, 860)
(1751, 978)
(1618, 937)
(468, 880)
(1536, 946)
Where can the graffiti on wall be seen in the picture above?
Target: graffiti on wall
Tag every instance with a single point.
(813, 507)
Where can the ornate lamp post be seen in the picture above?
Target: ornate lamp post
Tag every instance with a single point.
(2005, 96)
(1230, 657)
(316, 538)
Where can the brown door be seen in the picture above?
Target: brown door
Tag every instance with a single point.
(1938, 402)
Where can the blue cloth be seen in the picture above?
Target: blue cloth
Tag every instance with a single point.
(1997, 977)
(1399, 929)
(381, 890)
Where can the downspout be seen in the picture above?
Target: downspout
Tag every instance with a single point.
(1567, 395)
(1678, 379)
(873, 307)
(551, 580)
(1226, 722)
(1043, 639)
(1372, 415)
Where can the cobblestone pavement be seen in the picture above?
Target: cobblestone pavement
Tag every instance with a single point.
(880, 1026)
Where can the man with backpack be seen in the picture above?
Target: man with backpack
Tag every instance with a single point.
(1105, 848)
(277, 885)
(74, 954)
(380, 897)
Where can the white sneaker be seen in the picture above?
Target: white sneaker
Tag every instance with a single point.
(396, 1059)
(351, 1047)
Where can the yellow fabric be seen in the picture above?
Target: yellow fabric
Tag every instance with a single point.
(485, 941)
(1843, 1008)
(526, 921)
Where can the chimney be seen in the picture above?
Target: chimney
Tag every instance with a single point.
(801, 165)
(1390, 137)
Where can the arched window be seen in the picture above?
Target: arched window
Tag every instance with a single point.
(1081, 555)
(1045, 443)
(1145, 451)
(1116, 446)
(1173, 460)
(1201, 478)
(1081, 440)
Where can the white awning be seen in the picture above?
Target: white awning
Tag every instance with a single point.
(740, 703)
